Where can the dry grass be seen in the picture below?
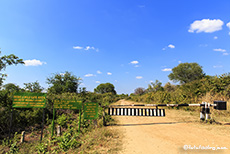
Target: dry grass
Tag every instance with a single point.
(100, 141)
(194, 117)
(221, 118)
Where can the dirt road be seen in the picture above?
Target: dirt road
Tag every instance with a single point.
(150, 135)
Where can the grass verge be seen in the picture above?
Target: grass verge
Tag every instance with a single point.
(95, 140)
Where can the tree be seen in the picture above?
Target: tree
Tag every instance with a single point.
(8, 60)
(169, 87)
(186, 72)
(105, 88)
(33, 87)
(139, 91)
(155, 86)
(11, 87)
(61, 83)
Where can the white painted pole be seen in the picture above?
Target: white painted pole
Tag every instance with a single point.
(208, 117)
(22, 137)
(58, 130)
(202, 112)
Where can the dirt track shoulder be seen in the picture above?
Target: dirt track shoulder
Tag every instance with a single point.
(170, 134)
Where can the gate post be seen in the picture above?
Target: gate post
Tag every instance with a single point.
(202, 112)
(207, 111)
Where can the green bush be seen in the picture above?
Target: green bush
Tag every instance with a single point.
(42, 148)
(62, 120)
(68, 140)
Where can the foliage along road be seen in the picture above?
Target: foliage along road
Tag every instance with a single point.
(150, 135)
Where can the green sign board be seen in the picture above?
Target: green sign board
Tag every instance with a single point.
(29, 100)
(67, 104)
(90, 110)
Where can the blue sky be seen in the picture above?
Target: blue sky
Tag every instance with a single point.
(126, 43)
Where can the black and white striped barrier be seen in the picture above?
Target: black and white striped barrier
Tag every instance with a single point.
(204, 113)
(169, 105)
(136, 112)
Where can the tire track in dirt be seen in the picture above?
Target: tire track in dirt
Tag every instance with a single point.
(150, 135)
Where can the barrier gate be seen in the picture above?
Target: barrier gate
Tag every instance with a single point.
(133, 110)
(136, 112)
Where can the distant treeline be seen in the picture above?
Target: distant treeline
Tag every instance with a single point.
(208, 88)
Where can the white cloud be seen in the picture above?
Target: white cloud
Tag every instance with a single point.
(109, 73)
(91, 48)
(77, 47)
(179, 62)
(98, 82)
(217, 66)
(134, 62)
(89, 75)
(206, 25)
(166, 69)
(33, 62)
(228, 25)
(139, 77)
(99, 72)
(215, 37)
(85, 48)
(222, 50)
(171, 46)
(219, 50)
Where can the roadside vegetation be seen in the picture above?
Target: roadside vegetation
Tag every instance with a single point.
(93, 136)
(193, 86)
